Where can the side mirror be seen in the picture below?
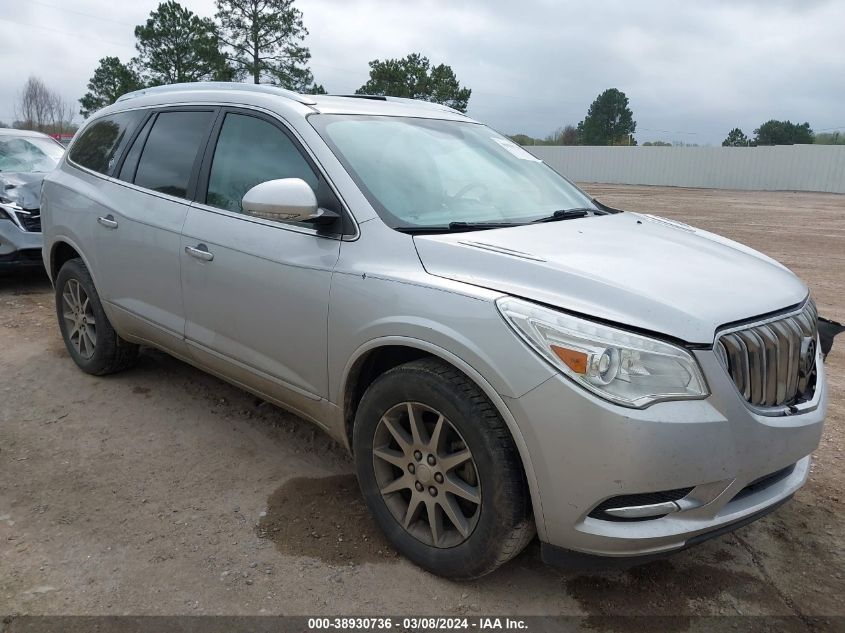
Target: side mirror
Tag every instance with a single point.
(285, 199)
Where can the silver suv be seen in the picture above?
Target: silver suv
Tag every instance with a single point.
(501, 353)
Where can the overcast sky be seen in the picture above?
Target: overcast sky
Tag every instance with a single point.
(691, 70)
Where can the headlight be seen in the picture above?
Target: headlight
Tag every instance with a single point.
(625, 368)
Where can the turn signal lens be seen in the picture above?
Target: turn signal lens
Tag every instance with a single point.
(576, 361)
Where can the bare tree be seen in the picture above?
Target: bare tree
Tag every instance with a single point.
(62, 115)
(40, 108)
(34, 104)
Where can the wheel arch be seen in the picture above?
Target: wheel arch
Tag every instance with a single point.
(63, 249)
(379, 355)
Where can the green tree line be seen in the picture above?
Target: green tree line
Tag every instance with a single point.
(772, 132)
(264, 41)
(609, 121)
(261, 41)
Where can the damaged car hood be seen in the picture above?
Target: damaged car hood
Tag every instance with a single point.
(628, 268)
(21, 188)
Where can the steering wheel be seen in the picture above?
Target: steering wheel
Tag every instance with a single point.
(473, 185)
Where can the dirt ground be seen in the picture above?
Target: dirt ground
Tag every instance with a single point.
(163, 490)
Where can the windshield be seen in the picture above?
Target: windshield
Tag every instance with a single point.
(29, 153)
(421, 173)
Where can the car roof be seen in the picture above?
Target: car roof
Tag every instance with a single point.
(8, 131)
(284, 100)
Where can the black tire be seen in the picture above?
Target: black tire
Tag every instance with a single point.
(111, 353)
(504, 524)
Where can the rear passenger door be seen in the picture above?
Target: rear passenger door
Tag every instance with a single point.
(93, 156)
(256, 291)
(138, 242)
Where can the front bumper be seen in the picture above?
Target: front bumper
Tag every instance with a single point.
(19, 247)
(585, 450)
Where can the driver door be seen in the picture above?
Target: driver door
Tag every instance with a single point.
(256, 291)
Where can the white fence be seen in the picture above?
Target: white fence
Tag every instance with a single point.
(783, 167)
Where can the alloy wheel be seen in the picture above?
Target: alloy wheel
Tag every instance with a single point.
(426, 475)
(80, 323)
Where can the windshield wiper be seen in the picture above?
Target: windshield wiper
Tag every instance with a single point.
(480, 226)
(457, 227)
(566, 214)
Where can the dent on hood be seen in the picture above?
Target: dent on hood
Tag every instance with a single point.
(23, 189)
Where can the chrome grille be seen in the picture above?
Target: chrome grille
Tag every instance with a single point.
(773, 362)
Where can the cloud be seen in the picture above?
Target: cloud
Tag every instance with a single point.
(692, 71)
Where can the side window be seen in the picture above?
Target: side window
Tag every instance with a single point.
(103, 140)
(251, 151)
(130, 163)
(171, 148)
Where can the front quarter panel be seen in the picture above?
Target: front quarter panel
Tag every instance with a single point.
(380, 290)
(381, 296)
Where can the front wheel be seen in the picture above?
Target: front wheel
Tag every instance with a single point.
(89, 337)
(439, 470)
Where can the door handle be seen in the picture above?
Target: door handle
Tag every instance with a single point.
(109, 222)
(200, 252)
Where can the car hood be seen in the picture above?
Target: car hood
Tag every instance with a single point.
(637, 270)
(22, 188)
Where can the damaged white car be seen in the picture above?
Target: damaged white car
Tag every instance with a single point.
(25, 158)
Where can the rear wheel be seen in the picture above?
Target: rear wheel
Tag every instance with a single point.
(439, 470)
(89, 337)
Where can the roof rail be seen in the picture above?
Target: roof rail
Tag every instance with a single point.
(417, 102)
(370, 97)
(220, 85)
